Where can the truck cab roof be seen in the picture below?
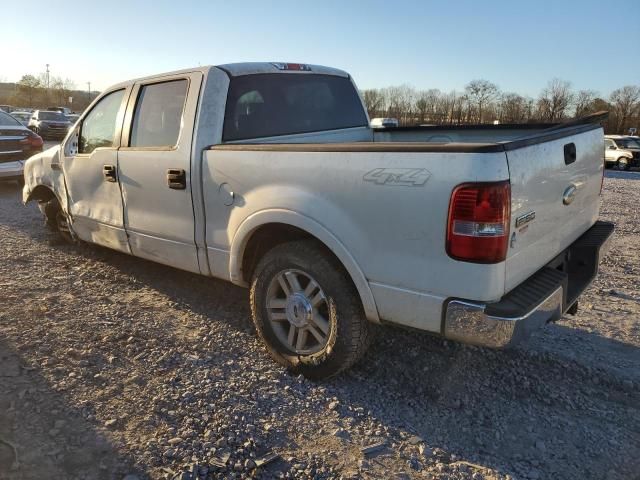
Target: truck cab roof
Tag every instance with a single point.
(247, 68)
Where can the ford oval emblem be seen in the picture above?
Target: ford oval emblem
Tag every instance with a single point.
(569, 194)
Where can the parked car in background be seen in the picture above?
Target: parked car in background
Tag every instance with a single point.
(6, 108)
(269, 175)
(22, 117)
(384, 122)
(621, 151)
(63, 110)
(17, 144)
(49, 124)
(73, 117)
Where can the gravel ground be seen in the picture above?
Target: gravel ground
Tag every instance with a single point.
(114, 367)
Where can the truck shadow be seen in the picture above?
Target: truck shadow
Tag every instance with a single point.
(523, 412)
(625, 175)
(41, 434)
(493, 408)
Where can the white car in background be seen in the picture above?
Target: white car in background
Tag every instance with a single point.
(384, 122)
(621, 151)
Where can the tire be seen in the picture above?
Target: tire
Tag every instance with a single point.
(622, 165)
(56, 220)
(333, 312)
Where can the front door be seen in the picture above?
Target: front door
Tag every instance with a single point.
(90, 162)
(155, 170)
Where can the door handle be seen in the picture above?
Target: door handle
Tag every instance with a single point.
(570, 154)
(109, 172)
(176, 179)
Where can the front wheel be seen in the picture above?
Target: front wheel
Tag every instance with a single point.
(56, 219)
(622, 164)
(307, 311)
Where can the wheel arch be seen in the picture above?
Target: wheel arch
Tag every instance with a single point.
(288, 225)
(41, 193)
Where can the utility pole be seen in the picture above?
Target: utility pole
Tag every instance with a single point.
(89, 87)
(47, 76)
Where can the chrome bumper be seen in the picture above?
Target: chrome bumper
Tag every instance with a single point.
(470, 322)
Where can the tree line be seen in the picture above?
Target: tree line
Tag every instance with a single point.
(482, 101)
(34, 91)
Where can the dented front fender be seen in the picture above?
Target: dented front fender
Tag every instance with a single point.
(44, 170)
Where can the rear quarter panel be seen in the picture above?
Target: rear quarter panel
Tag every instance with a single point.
(395, 233)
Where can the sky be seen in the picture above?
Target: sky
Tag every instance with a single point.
(518, 45)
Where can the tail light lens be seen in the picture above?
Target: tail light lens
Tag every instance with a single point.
(33, 141)
(478, 225)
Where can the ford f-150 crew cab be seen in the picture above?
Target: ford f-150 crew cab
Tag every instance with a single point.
(268, 175)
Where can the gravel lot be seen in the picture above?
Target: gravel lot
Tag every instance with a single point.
(114, 367)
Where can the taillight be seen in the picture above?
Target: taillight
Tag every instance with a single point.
(33, 140)
(478, 226)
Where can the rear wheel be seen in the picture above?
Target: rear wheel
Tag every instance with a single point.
(307, 311)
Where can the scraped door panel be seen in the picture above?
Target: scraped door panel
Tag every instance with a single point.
(95, 201)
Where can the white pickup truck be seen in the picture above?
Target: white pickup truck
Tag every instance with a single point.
(268, 175)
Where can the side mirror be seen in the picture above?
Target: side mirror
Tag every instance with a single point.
(612, 147)
(71, 145)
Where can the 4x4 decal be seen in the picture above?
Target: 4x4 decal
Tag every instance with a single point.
(400, 177)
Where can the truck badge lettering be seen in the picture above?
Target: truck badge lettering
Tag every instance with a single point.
(524, 219)
(398, 177)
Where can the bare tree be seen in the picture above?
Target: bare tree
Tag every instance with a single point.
(426, 104)
(60, 90)
(482, 100)
(374, 102)
(479, 93)
(584, 102)
(399, 101)
(555, 100)
(513, 108)
(626, 103)
(28, 88)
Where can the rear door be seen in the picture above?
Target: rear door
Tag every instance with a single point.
(89, 164)
(155, 170)
(555, 187)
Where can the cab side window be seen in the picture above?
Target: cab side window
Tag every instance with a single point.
(158, 115)
(99, 126)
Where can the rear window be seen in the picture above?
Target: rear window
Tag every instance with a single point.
(51, 116)
(6, 119)
(268, 105)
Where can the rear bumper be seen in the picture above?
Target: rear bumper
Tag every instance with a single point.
(543, 297)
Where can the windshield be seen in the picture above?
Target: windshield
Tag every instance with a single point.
(6, 119)
(52, 116)
(628, 143)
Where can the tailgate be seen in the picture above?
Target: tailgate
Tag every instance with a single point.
(554, 199)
